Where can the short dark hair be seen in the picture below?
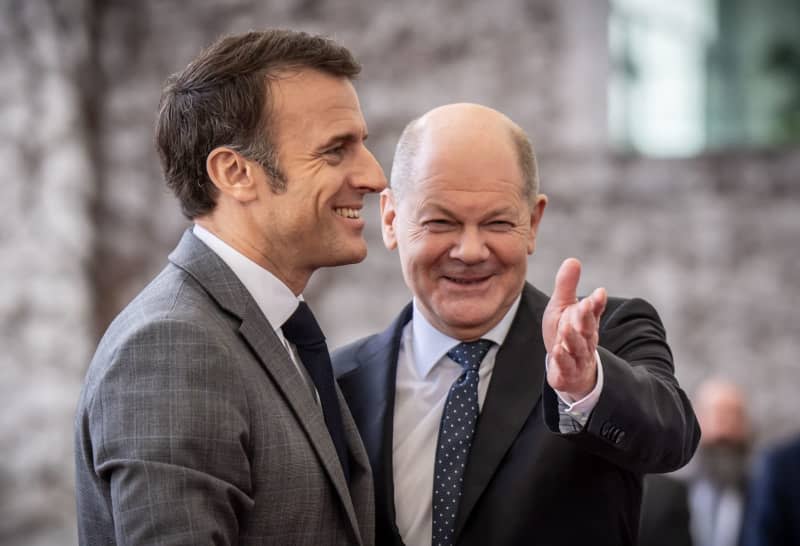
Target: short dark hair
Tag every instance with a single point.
(222, 99)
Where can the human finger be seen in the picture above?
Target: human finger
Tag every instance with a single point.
(566, 286)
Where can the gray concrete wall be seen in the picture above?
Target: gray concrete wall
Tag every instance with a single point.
(85, 220)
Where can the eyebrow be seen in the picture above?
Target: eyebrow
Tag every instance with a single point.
(345, 137)
(436, 207)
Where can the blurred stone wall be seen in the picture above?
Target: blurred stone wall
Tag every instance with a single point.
(47, 235)
(86, 220)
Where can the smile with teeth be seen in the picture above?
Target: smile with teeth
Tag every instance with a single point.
(348, 213)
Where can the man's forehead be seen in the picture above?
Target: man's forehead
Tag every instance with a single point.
(447, 192)
(474, 135)
(304, 89)
(303, 98)
(466, 156)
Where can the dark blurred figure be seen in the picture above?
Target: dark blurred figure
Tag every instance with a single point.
(665, 512)
(719, 472)
(714, 493)
(773, 515)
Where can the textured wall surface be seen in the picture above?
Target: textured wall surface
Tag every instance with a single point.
(46, 239)
(85, 219)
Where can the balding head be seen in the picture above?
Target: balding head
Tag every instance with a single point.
(462, 217)
(722, 412)
(461, 127)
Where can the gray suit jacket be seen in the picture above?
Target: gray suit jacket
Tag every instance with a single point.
(195, 427)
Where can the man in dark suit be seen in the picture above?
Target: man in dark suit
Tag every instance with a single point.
(491, 413)
(773, 515)
(210, 414)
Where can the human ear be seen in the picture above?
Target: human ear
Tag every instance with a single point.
(537, 211)
(232, 174)
(388, 215)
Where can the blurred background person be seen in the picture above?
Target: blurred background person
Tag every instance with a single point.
(718, 473)
(708, 509)
(773, 514)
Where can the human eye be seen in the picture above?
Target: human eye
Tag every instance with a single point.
(439, 225)
(500, 225)
(336, 151)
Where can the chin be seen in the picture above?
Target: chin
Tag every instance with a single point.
(352, 255)
(468, 311)
(466, 324)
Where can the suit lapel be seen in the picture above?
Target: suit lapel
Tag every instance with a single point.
(515, 390)
(259, 334)
(225, 288)
(361, 486)
(370, 390)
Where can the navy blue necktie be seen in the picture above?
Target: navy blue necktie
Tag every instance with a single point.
(303, 331)
(455, 437)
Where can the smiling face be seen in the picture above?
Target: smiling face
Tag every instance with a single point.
(316, 222)
(463, 226)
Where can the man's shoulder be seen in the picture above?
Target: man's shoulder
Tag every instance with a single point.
(170, 312)
(785, 455)
(350, 357)
(172, 295)
(372, 348)
(633, 308)
(538, 300)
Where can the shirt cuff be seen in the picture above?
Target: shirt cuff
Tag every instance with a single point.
(574, 414)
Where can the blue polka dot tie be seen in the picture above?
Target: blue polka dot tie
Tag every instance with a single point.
(455, 437)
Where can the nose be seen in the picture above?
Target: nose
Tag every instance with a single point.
(368, 177)
(470, 247)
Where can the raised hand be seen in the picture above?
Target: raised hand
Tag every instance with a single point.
(570, 332)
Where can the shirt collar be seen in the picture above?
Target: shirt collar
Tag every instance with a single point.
(430, 345)
(275, 300)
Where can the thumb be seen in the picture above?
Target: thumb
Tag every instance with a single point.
(566, 288)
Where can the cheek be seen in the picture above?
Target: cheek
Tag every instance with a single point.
(316, 188)
(427, 251)
(420, 260)
(416, 261)
(512, 253)
(413, 234)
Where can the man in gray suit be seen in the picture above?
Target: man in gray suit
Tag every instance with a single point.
(209, 412)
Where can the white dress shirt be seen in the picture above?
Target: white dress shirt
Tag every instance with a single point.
(275, 300)
(424, 376)
(717, 513)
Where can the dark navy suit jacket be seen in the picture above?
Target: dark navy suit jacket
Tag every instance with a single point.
(773, 516)
(525, 483)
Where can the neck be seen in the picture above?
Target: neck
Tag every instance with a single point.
(293, 277)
